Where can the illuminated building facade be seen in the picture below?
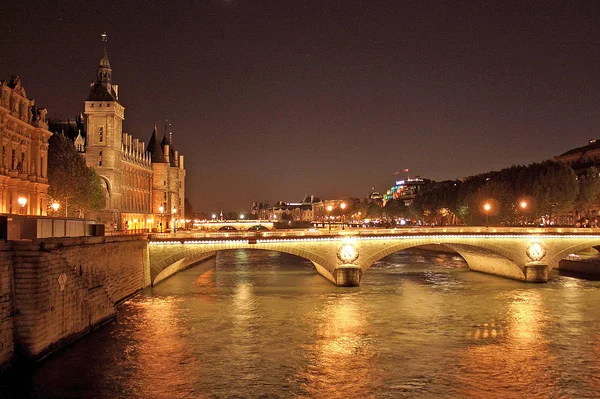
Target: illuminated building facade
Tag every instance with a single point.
(24, 152)
(405, 190)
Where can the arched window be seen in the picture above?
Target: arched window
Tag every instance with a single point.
(100, 158)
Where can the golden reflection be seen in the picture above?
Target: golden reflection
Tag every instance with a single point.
(342, 355)
(244, 332)
(206, 279)
(158, 349)
(514, 355)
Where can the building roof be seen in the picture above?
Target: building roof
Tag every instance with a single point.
(69, 127)
(591, 146)
(155, 148)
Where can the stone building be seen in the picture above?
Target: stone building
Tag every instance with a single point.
(138, 182)
(581, 158)
(24, 152)
(168, 180)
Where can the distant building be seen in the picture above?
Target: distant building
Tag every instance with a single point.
(581, 158)
(405, 190)
(375, 198)
(295, 211)
(144, 187)
(261, 211)
(24, 152)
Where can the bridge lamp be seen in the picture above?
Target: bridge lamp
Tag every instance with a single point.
(214, 217)
(22, 201)
(486, 208)
(242, 216)
(329, 209)
(343, 206)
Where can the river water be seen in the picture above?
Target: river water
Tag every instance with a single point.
(254, 324)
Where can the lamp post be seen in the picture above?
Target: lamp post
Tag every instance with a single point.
(22, 201)
(55, 205)
(486, 208)
(174, 220)
(329, 209)
(343, 206)
(523, 206)
(161, 209)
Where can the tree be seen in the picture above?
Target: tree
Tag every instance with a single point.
(554, 188)
(438, 202)
(395, 208)
(589, 189)
(72, 183)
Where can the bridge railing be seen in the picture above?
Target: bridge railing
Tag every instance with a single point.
(370, 232)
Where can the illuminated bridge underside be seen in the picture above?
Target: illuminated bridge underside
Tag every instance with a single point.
(501, 255)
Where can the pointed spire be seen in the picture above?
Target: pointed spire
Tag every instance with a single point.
(104, 61)
(155, 148)
(104, 69)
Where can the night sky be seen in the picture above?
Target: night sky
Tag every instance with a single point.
(272, 100)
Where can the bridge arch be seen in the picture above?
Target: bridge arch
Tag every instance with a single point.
(571, 248)
(165, 260)
(483, 257)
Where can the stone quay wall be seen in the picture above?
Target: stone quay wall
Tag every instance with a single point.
(55, 290)
(6, 306)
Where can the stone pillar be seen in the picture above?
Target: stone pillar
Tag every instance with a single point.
(347, 276)
(536, 272)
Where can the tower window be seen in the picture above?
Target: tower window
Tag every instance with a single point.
(100, 158)
(100, 134)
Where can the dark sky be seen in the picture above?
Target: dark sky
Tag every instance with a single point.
(272, 100)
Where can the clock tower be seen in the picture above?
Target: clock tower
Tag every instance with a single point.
(104, 117)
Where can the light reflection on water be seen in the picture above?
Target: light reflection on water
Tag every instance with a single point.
(264, 324)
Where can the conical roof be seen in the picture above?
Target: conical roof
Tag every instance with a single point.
(155, 148)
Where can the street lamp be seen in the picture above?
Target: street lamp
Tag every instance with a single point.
(523, 206)
(161, 209)
(55, 205)
(343, 206)
(329, 209)
(486, 208)
(242, 216)
(22, 201)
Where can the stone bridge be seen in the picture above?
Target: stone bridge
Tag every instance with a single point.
(518, 253)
